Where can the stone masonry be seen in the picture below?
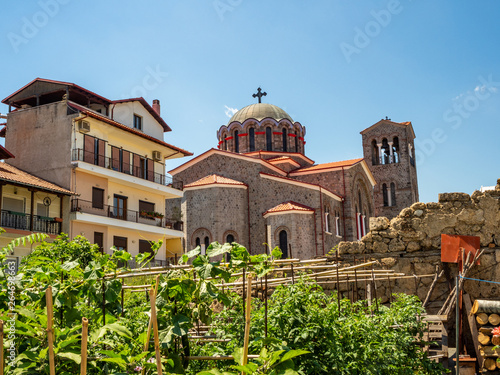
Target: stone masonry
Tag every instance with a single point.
(411, 243)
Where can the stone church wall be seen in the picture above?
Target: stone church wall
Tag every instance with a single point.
(411, 243)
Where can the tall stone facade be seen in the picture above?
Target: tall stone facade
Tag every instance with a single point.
(389, 151)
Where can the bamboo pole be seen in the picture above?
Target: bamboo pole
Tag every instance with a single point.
(148, 335)
(1, 347)
(50, 332)
(83, 364)
(152, 299)
(247, 322)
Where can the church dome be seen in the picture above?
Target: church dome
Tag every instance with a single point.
(260, 111)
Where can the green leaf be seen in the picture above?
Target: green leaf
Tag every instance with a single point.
(181, 325)
(196, 251)
(113, 290)
(216, 248)
(68, 266)
(72, 356)
(277, 253)
(292, 354)
(119, 330)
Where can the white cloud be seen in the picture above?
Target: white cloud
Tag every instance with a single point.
(230, 111)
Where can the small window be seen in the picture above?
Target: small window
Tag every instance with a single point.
(146, 207)
(42, 210)
(252, 139)
(120, 243)
(385, 195)
(97, 198)
(99, 240)
(137, 122)
(197, 242)
(269, 139)
(283, 236)
(145, 247)
(229, 239)
(285, 140)
(236, 141)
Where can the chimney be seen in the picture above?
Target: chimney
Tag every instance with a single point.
(156, 106)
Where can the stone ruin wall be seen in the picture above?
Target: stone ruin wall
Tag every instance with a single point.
(411, 243)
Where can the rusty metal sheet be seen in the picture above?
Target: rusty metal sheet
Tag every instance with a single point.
(451, 244)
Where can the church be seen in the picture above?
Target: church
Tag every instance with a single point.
(259, 189)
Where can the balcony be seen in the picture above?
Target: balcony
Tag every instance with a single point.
(79, 205)
(22, 221)
(140, 170)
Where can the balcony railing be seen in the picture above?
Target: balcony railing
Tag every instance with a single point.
(123, 167)
(79, 205)
(20, 220)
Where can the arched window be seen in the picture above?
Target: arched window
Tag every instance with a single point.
(385, 151)
(284, 243)
(393, 194)
(269, 139)
(229, 238)
(327, 218)
(198, 242)
(296, 141)
(395, 150)
(207, 242)
(252, 139)
(375, 153)
(285, 143)
(236, 141)
(225, 143)
(385, 195)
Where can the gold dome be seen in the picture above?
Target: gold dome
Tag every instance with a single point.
(260, 111)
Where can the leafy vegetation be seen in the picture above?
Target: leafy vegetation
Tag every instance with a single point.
(306, 332)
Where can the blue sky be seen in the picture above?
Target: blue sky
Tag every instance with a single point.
(337, 67)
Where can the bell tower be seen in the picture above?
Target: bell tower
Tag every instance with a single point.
(389, 151)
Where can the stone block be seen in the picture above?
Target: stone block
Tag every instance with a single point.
(396, 245)
(433, 206)
(418, 206)
(345, 247)
(379, 223)
(389, 262)
(407, 212)
(471, 217)
(418, 213)
(380, 247)
(452, 197)
(413, 246)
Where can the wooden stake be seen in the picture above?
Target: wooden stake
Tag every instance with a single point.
(433, 285)
(152, 298)
(85, 330)
(148, 335)
(247, 321)
(50, 332)
(1, 347)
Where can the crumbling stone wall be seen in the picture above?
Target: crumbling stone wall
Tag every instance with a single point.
(411, 243)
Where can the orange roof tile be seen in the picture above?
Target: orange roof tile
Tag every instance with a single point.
(214, 179)
(289, 206)
(13, 174)
(336, 164)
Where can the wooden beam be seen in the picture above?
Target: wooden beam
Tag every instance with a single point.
(472, 327)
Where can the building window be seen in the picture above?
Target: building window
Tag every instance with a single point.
(385, 152)
(42, 210)
(236, 141)
(206, 243)
(145, 207)
(229, 239)
(284, 243)
(145, 247)
(120, 243)
(120, 207)
(285, 143)
(296, 141)
(197, 242)
(269, 139)
(137, 122)
(395, 150)
(385, 195)
(393, 194)
(337, 224)
(99, 240)
(97, 198)
(327, 218)
(375, 153)
(252, 139)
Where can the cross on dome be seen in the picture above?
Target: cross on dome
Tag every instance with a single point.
(259, 94)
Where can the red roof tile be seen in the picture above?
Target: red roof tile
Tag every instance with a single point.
(214, 179)
(289, 206)
(336, 164)
(98, 116)
(16, 175)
